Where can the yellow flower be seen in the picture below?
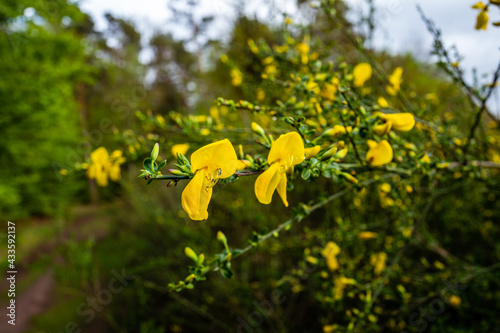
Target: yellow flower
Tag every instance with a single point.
(482, 20)
(378, 260)
(336, 130)
(288, 20)
(103, 166)
(395, 81)
(339, 285)
(311, 152)
(302, 48)
(252, 46)
(455, 301)
(286, 151)
(362, 72)
(382, 102)
(425, 159)
(330, 253)
(479, 5)
(367, 235)
(181, 148)
(211, 162)
(397, 121)
(236, 77)
(379, 153)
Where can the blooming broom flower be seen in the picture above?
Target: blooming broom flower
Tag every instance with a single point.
(395, 81)
(210, 163)
(286, 151)
(362, 72)
(397, 121)
(104, 165)
(380, 153)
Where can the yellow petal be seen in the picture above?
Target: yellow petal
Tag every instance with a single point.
(180, 148)
(382, 129)
(400, 121)
(425, 159)
(99, 155)
(482, 20)
(114, 172)
(367, 235)
(302, 48)
(380, 154)
(266, 184)
(395, 77)
(196, 196)
(282, 189)
(289, 148)
(331, 249)
(382, 102)
(217, 155)
(371, 143)
(362, 72)
(311, 152)
(101, 178)
(479, 5)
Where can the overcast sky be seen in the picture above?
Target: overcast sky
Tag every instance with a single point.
(399, 25)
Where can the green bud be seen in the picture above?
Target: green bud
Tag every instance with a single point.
(176, 172)
(201, 259)
(289, 121)
(190, 278)
(329, 153)
(349, 177)
(257, 129)
(240, 151)
(155, 151)
(190, 254)
(221, 237)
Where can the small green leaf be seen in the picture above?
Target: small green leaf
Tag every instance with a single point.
(147, 164)
(226, 271)
(162, 164)
(306, 173)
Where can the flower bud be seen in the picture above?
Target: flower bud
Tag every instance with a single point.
(221, 237)
(155, 151)
(258, 130)
(176, 172)
(190, 254)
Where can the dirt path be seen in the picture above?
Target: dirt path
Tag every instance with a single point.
(30, 302)
(39, 296)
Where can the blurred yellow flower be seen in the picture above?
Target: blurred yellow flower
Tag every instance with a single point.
(425, 159)
(286, 151)
(367, 235)
(479, 5)
(311, 152)
(104, 165)
(394, 81)
(180, 148)
(482, 20)
(455, 301)
(337, 130)
(403, 122)
(236, 77)
(209, 163)
(252, 46)
(379, 153)
(330, 253)
(378, 260)
(302, 48)
(362, 72)
(382, 102)
(339, 284)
